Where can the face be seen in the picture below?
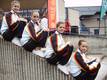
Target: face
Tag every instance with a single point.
(35, 17)
(16, 7)
(61, 28)
(83, 47)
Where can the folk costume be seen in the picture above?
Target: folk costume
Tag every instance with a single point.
(33, 36)
(12, 26)
(57, 52)
(82, 68)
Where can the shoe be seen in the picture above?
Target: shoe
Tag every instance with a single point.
(64, 68)
(1, 37)
(39, 53)
(16, 41)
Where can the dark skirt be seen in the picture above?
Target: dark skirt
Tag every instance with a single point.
(30, 45)
(87, 75)
(9, 34)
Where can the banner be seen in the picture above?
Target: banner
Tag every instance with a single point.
(52, 14)
(103, 9)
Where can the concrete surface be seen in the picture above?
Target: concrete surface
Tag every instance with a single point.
(102, 75)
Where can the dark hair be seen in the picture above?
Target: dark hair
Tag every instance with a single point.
(80, 42)
(58, 24)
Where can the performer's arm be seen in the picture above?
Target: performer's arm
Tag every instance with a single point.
(84, 66)
(4, 25)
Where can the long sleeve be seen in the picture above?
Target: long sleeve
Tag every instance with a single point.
(44, 24)
(61, 48)
(49, 50)
(84, 66)
(4, 25)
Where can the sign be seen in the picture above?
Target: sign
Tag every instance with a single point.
(52, 14)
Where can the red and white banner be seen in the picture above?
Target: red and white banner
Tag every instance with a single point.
(52, 14)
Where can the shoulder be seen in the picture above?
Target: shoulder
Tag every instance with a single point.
(8, 14)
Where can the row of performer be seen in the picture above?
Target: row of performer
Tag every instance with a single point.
(35, 35)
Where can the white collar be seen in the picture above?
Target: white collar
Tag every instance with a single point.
(78, 50)
(12, 12)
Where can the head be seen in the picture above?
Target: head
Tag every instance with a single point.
(83, 46)
(15, 6)
(60, 27)
(45, 14)
(35, 16)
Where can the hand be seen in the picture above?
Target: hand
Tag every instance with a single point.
(46, 29)
(68, 42)
(98, 60)
(22, 19)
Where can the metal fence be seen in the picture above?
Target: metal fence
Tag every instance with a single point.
(88, 31)
(17, 64)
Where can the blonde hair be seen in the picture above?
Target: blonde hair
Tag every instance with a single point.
(14, 2)
(34, 11)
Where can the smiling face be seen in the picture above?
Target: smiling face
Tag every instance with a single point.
(15, 6)
(83, 46)
(35, 16)
(61, 27)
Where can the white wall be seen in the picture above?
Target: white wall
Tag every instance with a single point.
(60, 10)
(73, 17)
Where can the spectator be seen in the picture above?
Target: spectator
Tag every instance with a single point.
(33, 36)
(12, 24)
(57, 51)
(44, 21)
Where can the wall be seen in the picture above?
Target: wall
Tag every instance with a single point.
(60, 10)
(97, 45)
(17, 64)
(92, 22)
(73, 17)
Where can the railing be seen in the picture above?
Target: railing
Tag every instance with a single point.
(91, 31)
(17, 64)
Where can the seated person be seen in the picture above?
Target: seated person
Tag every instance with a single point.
(80, 66)
(44, 21)
(33, 35)
(13, 24)
(57, 51)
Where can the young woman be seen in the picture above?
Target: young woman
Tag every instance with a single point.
(81, 67)
(57, 50)
(13, 24)
(33, 35)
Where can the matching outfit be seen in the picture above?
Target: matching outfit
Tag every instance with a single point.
(57, 51)
(33, 36)
(82, 68)
(44, 23)
(12, 26)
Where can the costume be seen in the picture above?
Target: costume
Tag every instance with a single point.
(33, 36)
(44, 23)
(57, 51)
(12, 26)
(82, 68)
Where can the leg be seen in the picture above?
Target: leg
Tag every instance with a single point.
(8, 35)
